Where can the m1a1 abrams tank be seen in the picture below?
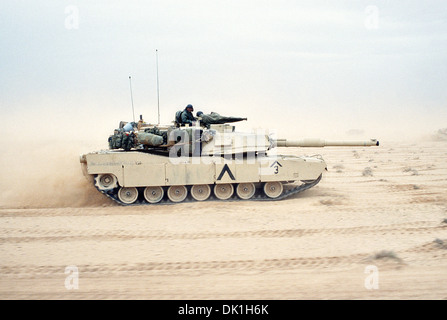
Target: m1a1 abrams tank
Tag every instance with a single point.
(149, 164)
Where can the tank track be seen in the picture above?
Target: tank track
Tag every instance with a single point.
(259, 195)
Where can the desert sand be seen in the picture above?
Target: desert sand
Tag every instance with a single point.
(375, 227)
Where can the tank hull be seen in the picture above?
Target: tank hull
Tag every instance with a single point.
(138, 172)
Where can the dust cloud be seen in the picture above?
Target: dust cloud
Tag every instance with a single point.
(440, 135)
(45, 176)
(40, 167)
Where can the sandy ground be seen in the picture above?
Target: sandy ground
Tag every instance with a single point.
(374, 228)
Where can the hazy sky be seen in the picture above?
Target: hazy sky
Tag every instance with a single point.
(301, 67)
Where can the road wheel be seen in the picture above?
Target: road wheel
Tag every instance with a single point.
(245, 190)
(223, 191)
(200, 192)
(273, 189)
(128, 195)
(153, 194)
(177, 193)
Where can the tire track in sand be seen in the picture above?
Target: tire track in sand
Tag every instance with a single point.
(186, 266)
(431, 249)
(21, 235)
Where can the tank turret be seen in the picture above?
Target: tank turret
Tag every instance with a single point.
(148, 164)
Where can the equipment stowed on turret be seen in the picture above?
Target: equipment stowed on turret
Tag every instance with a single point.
(158, 164)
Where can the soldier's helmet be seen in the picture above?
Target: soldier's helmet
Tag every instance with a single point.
(189, 106)
(199, 113)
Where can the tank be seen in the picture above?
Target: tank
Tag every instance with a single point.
(153, 164)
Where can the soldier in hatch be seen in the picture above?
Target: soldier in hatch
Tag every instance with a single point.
(187, 116)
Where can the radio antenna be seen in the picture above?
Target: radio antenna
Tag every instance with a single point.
(131, 97)
(158, 89)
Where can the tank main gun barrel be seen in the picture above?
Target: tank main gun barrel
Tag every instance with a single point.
(325, 143)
